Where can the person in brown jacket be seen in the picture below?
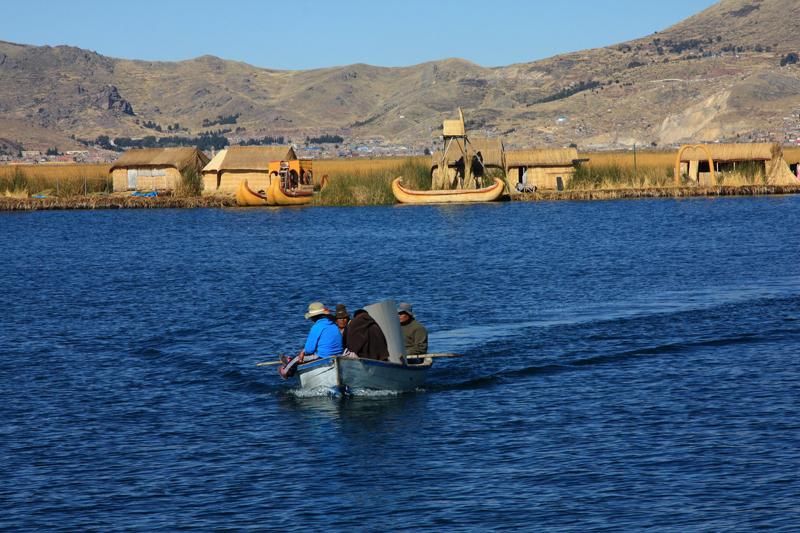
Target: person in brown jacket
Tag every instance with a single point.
(365, 338)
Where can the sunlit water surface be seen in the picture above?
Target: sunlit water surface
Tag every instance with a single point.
(626, 365)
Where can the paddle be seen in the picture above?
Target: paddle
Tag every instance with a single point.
(434, 355)
(422, 356)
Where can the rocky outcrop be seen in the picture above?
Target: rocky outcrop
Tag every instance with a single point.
(109, 99)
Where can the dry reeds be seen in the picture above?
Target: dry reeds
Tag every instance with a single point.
(58, 180)
(615, 170)
(353, 182)
(359, 165)
(190, 184)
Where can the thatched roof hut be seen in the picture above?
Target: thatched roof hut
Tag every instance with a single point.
(542, 168)
(229, 167)
(543, 157)
(244, 158)
(155, 168)
(707, 163)
(179, 158)
(732, 152)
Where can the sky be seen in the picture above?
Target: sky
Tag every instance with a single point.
(303, 34)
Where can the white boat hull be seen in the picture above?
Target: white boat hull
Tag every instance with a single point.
(345, 373)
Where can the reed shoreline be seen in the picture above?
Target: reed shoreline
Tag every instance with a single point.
(113, 202)
(192, 202)
(660, 192)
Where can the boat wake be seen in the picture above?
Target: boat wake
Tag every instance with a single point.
(664, 304)
(575, 362)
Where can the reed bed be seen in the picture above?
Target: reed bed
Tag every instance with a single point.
(359, 182)
(54, 180)
(190, 184)
(361, 165)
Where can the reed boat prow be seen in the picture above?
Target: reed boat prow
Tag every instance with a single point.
(246, 197)
(455, 196)
(277, 195)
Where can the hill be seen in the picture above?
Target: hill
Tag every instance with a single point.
(716, 75)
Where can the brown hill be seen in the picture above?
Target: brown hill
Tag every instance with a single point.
(716, 75)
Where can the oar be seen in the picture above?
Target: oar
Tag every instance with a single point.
(422, 356)
(434, 355)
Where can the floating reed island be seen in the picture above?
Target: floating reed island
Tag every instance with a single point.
(550, 175)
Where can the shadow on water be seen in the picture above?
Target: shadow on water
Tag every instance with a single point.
(366, 409)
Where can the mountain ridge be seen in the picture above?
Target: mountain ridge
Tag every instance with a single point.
(714, 76)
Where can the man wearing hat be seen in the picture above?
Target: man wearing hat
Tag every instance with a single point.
(342, 319)
(324, 339)
(414, 334)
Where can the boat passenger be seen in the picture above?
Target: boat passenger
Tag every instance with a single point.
(414, 334)
(365, 337)
(342, 318)
(324, 339)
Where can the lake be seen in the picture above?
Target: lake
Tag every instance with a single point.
(627, 365)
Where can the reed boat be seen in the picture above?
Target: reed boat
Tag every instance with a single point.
(246, 197)
(347, 374)
(278, 195)
(409, 196)
(275, 195)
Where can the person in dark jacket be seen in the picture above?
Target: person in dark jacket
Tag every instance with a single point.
(365, 338)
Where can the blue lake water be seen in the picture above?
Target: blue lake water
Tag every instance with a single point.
(628, 365)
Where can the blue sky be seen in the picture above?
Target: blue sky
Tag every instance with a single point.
(301, 34)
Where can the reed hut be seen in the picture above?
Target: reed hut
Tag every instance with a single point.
(710, 164)
(550, 168)
(237, 163)
(153, 169)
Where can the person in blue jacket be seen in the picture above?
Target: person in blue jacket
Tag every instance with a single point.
(324, 339)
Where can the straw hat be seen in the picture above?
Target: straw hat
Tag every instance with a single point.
(317, 309)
